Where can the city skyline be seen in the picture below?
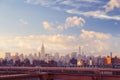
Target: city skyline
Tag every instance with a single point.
(62, 25)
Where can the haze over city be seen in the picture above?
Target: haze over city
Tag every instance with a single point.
(61, 25)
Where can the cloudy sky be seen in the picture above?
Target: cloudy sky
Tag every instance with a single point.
(62, 25)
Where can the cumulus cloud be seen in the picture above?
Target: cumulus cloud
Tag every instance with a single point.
(74, 22)
(112, 4)
(95, 42)
(70, 22)
(47, 26)
(28, 44)
(91, 41)
(94, 35)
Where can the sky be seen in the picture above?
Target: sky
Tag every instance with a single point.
(61, 25)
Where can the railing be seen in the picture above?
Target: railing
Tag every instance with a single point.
(20, 77)
(58, 73)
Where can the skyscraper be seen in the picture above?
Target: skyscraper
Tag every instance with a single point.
(7, 55)
(111, 54)
(42, 49)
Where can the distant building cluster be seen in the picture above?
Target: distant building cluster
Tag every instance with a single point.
(42, 59)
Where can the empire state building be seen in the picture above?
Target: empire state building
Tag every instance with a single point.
(42, 49)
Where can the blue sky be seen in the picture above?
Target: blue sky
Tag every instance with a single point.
(61, 21)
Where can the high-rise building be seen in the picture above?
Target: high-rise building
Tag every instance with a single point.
(31, 57)
(42, 49)
(90, 62)
(111, 54)
(74, 55)
(7, 55)
(42, 53)
(108, 60)
(56, 56)
(35, 56)
(21, 56)
(16, 56)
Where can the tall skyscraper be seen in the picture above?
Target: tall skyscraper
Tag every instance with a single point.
(111, 54)
(42, 49)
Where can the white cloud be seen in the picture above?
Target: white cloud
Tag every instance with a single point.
(29, 44)
(74, 22)
(112, 4)
(101, 15)
(91, 1)
(70, 3)
(96, 14)
(91, 41)
(58, 4)
(23, 22)
(74, 6)
(94, 35)
(96, 42)
(63, 2)
(44, 3)
(47, 26)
